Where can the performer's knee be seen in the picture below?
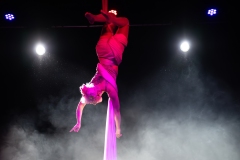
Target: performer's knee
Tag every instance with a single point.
(127, 22)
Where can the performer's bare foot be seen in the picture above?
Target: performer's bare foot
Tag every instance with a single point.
(90, 17)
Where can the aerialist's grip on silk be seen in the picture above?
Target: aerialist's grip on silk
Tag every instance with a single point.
(109, 48)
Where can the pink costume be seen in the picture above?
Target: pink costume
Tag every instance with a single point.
(109, 51)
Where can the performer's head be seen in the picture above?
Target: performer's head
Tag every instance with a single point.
(90, 94)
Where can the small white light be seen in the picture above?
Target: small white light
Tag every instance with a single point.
(9, 16)
(212, 12)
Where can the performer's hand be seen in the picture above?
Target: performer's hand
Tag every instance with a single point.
(76, 128)
(118, 133)
(90, 17)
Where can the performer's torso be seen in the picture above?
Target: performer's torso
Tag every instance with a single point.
(103, 48)
(111, 47)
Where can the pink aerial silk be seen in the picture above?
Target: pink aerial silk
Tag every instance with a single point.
(108, 48)
(110, 147)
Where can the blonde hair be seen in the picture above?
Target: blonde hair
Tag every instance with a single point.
(90, 93)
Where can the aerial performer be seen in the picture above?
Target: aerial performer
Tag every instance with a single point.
(109, 49)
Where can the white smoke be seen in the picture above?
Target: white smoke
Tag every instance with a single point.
(174, 118)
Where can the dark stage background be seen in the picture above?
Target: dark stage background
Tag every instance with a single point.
(174, 105)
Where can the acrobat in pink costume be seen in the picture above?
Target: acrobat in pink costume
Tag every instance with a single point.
(109, 48)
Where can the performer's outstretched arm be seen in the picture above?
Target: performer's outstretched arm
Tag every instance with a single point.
(113, 95)
(79, 111)
(117, 117)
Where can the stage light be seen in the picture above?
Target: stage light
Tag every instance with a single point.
(185, 46)
(9, 17)
(40, 49)
(212, 12)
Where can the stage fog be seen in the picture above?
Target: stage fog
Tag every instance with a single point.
(170, 115)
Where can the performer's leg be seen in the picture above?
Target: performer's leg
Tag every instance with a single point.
(95, 18)
(123, 30)
(121, 22)
(118, 21)
(100, 18)
(107, 17)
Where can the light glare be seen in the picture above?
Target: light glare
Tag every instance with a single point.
(185, 46)
(40, 49)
